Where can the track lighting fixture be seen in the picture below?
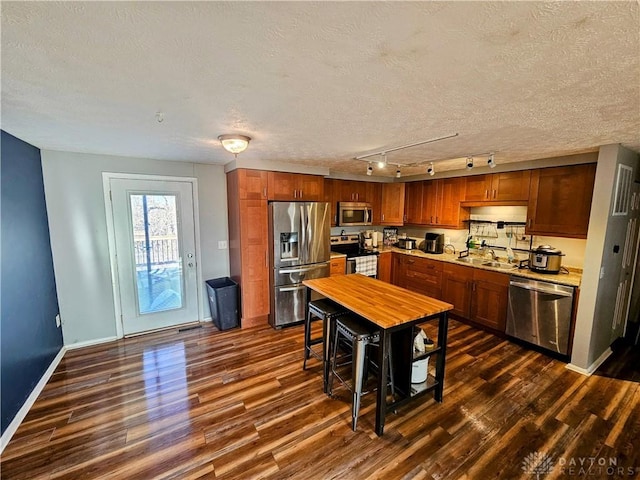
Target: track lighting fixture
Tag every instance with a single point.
(430, 170)
(469, 163)
(490, 161)
(383, 161)
(369, 169)
(398, 173)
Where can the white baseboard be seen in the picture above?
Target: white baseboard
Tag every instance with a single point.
(17, 420)
(593, 367)
(90, 343)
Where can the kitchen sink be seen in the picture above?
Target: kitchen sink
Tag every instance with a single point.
(471, 260)
(500, 265)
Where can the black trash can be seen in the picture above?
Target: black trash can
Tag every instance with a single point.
(223, 302)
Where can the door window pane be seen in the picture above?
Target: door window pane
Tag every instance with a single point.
(159, 277)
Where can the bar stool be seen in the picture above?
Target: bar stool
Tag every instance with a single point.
(320, 309)
(361, 335)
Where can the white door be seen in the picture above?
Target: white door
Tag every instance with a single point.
(155, 253)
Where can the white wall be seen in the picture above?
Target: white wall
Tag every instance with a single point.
(597, 293)
(77, 222)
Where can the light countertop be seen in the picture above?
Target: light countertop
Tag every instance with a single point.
(572, 279)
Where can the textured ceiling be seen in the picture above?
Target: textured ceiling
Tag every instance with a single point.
(317, 83)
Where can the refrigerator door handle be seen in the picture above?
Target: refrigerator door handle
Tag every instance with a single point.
(302, 269)
(291, 289)
(303, 233)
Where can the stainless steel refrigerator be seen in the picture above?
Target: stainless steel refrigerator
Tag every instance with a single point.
(299, 241)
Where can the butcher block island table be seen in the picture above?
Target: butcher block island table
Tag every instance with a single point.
(395, 311)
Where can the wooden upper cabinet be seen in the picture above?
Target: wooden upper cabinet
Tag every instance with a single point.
(330, 196)
(498, 187)
(436, 203)
(252, 184)
(353, 191)
(478, 188)
(374, 197)
(560, 201)
(392, 204)
(448, 212)
(510, 186)
(295, 186)
(413, 203)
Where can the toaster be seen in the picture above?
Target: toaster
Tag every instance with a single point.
(406, 243)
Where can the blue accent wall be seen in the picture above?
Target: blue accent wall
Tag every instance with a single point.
(29, 338)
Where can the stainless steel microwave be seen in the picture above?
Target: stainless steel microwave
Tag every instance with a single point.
(354, 214)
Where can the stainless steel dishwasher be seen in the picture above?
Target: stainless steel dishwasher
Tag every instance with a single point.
(540, 313)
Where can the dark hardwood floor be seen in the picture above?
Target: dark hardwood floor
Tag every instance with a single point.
(237, 404)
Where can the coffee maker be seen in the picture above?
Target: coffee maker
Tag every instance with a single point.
(434, 243)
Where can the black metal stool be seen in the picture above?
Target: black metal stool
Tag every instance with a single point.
(360, 334)
(320, 309)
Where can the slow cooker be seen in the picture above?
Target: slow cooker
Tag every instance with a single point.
(545, 259)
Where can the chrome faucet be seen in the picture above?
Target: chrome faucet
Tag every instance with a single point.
(494, 257)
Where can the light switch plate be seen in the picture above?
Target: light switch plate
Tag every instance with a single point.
(222, 244)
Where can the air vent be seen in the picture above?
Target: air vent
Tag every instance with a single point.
(623, 190)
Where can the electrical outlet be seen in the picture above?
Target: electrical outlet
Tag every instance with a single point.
(222, 244)
(58, 321)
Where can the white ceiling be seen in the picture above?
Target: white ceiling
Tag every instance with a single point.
(317, 83)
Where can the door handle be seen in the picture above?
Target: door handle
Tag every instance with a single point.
(291, 289)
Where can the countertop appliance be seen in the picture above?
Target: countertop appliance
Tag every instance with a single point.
(299, 242)
(545, 259)
(359, 258)
(352, 214)
(433, 243)
(407, 243)
(540, 313)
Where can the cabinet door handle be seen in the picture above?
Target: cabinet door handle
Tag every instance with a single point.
(486, 194)
(383, 217)
(437, 220)
(495, 192)
(301, 192)
(264, 192)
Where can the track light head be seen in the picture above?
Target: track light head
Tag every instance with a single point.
(398, 173)
(369, 169)
(490, 161)
(383, 161)
(430, 170)
(469, 163)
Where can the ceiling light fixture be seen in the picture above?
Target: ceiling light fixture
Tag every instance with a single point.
(234, 143)
(431, 171)
(398, 173)
(383, 161)
(469, 163)
(369, 169)
(490, 161)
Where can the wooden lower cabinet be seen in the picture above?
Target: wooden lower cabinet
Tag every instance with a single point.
(418, 274)
(457, 286)
(337, 266)
(477, 295)
(490, 299)
(384, 266)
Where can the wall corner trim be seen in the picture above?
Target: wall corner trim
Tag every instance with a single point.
(593, 367)
(31, 399)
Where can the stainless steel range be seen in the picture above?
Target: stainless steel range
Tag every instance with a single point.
(359, 259)
(299, 243)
